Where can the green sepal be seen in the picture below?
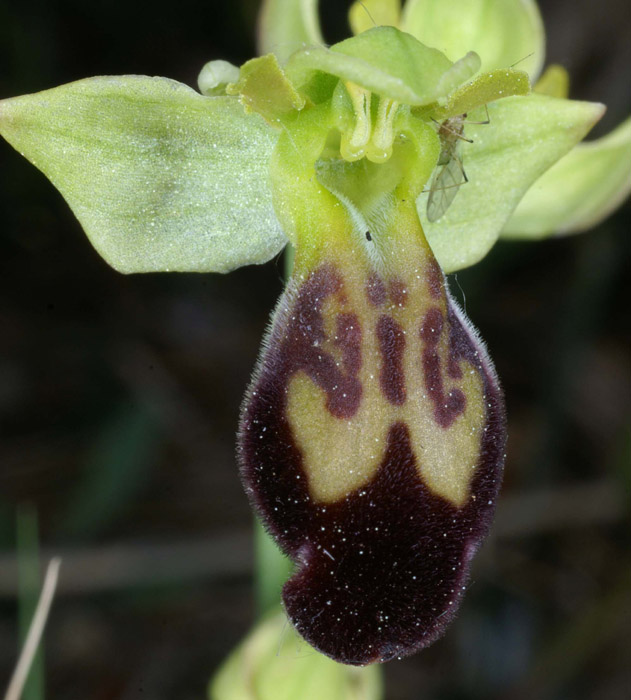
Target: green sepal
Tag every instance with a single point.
(388, 62)
(502, 32)
(525, 136)
(160, 177)
(579, 191)
(365, 14)
(264, 88)
(287, 25)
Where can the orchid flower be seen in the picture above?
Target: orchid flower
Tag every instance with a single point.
(372, 436)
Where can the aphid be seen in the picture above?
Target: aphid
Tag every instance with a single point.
(449, 174)
(368, 236)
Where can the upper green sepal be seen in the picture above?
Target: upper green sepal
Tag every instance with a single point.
(287, 25)
(501, 32)
(365, 14)
(387, 62)
(160, 177)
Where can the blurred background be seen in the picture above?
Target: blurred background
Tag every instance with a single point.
(119, 400)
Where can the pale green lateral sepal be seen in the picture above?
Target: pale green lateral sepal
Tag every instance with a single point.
(365, 14)
(579, 191)
(525, 136)
(502, 32)
(387, 62)
(160, 177)
(288, 25)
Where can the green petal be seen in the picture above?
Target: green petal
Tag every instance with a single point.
(579, 191)
(388, 62)
(486, 88)
(365, 14)
(264, 88)
(287, 25)
(502, 32)
(525, 136)
(160, 177)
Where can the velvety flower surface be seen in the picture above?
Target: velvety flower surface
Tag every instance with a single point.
(372, 443)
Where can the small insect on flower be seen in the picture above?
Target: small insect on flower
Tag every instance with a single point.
(449, 174)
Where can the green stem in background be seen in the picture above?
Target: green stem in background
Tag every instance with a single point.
(272, 570)
(28, 592)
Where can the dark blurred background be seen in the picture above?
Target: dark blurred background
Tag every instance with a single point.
(119, 399)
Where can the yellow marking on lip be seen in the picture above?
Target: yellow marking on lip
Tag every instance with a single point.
(341, 455)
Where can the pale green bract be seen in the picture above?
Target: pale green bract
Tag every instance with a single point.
(160, 177)
(274, 663)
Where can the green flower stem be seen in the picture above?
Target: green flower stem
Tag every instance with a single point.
(272, 570)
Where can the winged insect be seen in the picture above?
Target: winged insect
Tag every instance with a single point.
(449, 174)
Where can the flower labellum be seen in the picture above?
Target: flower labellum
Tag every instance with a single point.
(372, 443)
